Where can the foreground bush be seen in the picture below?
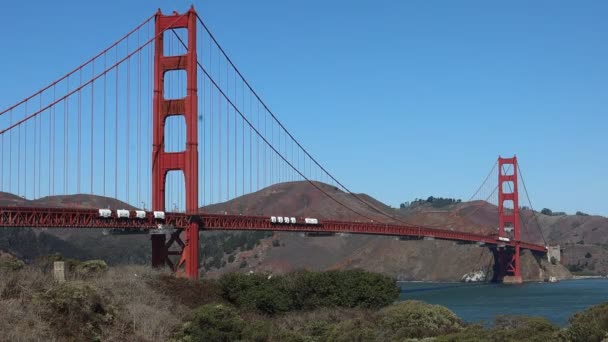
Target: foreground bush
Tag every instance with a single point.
(212, 322)
(353, 330)
(414, 319)
(91, 268)
(522, 328)
(508, 328)
(350, 289)
(10, 264)
(309, 290)
(589, 325)
(75, 310)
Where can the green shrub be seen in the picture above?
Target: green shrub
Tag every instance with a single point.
(212, 322)
(256, 291)
(414, 319)
(46, 263)
(471, 333)
(257, 331)
(308, 290)
(353, 288)
(91, 268)
(589, 325)
(216, 246)
(353, 330)
(75, 310)
(11, 264)
(522, 328)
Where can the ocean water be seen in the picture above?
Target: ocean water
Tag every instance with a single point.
(482, 302)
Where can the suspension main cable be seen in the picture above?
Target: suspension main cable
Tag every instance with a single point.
(484, 182)
(287, 131)
(79, 67)
(523, 182)
(231, 104)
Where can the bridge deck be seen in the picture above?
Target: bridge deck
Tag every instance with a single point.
(15, 217)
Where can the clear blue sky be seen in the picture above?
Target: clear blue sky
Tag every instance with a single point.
(399, 99)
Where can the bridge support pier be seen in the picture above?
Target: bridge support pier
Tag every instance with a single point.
(159, 250)
(507, 265)
(187, 249)
(189, 255)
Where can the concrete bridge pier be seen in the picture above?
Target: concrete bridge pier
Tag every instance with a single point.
(506, 265)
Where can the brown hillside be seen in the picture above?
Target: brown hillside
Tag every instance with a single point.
(408, 260)
(299, 199)
(579, 235)
(64, 201)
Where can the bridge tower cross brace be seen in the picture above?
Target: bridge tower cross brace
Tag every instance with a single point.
(508, 191)
(185, 161)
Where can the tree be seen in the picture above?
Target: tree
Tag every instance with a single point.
(546, 211)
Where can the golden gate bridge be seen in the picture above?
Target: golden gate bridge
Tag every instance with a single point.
(163, 121)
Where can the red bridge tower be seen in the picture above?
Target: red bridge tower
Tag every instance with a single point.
(508, 219)
(185, 161)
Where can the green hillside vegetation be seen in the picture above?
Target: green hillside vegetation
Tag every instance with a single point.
(29, 245)
(137, 303)
(435, 202)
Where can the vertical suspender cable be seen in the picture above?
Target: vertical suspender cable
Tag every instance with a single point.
(19, 157)
(66, 104)
(243, 138)
(211, 115)
(25, 158)
(116, 133)
(35, 153)
(266, 164)
(52, 147)
(139, 142)
(203, 134)
(227, 136)
(105, 100)
(250, 147)
(91, 123)
(2, 166)
(235, 141)
(40, 150)
(257, 147)
(219, 147)
(128, 128)
(273, 171)
(79, 129)
(10, 155)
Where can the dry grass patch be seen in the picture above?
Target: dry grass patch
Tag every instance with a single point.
(191, 293)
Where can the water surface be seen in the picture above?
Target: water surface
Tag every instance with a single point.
(482, 302)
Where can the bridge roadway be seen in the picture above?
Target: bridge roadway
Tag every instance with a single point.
(32, 217)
